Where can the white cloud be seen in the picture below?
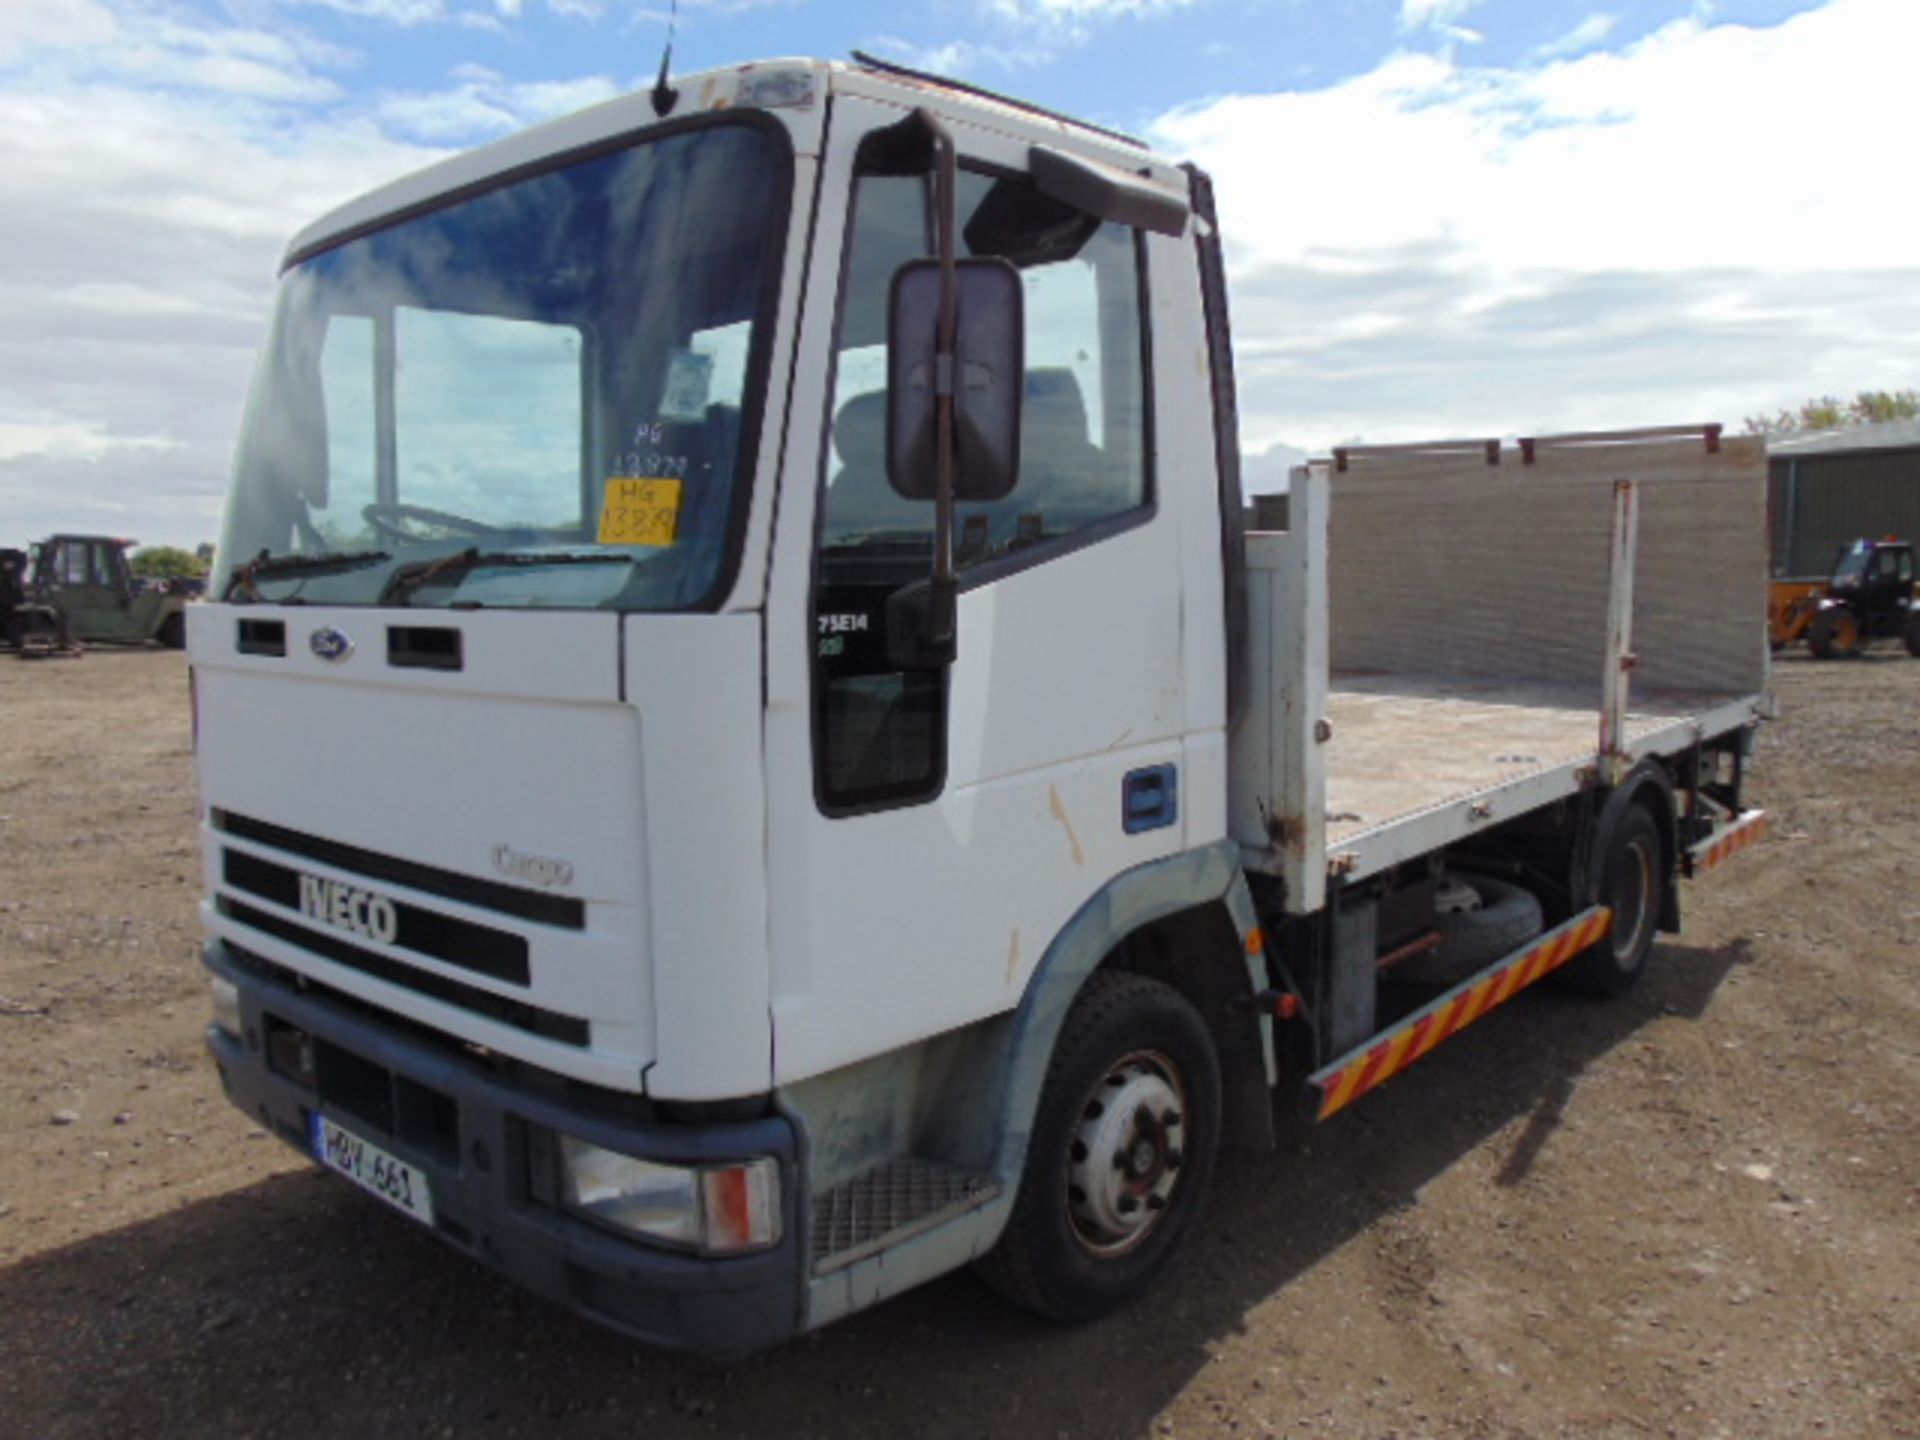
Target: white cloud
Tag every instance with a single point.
(1587, 35)
(135, 300)
(28, 25)
(51, 438)
(1443, 15)
(1057, 10)
(959, 57)
(1696, 226)
(1021, 33)
(395, 12)
(545, 100)
(446, 115)
(483, 105)
(1045, 24)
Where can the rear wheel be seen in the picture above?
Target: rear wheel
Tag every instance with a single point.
(1122, 1149)
(1633, 884)
(1834, 634)
(173, 631)
(1910, 633)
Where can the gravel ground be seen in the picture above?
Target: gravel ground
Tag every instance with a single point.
(1692, 1212)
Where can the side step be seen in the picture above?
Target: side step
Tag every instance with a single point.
(1391, 1051)
(889, 1204)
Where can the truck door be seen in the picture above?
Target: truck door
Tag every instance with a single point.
(932, 830)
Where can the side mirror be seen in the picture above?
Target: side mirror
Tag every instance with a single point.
(987, 381)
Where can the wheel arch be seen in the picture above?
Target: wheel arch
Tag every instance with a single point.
(1214, 962)
(1188, 921)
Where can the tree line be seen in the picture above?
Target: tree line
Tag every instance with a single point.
(1829, 412)
(170, 562)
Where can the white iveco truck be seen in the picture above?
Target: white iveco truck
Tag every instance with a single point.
(747, 760)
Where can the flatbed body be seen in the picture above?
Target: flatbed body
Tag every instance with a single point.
(1417, 762)
(1430, 641)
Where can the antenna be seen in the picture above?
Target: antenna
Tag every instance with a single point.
(664, 95)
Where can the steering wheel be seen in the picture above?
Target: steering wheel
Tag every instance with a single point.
(392, 521)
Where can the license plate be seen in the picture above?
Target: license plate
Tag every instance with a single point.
(401, 1185)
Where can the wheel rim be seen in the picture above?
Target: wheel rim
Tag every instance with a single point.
(1125, 1155)
(1627, 897)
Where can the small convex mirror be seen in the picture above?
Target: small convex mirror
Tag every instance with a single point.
(988, 361)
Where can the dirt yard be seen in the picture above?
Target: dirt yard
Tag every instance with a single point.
(1694, 1212)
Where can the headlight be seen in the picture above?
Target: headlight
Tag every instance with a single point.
(715, 1209)
(226, 1004)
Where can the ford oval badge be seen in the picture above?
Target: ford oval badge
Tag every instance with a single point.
(330, 644)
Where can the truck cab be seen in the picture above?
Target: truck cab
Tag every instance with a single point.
(562, 797)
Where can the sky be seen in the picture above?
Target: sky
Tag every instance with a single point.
(1444, 218)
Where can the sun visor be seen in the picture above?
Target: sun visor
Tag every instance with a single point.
(1107, 191)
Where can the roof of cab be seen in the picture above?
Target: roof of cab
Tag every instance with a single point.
(791, 85)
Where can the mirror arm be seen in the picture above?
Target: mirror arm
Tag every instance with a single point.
(944, 376)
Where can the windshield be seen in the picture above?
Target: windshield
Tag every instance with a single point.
(462, 407)
(1852, 563)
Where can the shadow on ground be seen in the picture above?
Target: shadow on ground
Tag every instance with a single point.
(296, 1307)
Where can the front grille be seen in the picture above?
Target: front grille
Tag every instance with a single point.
(494, 953)
(561, 911)
(424, 1118)
(507, 1011)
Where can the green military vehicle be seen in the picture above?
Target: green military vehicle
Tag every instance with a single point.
(78, 589)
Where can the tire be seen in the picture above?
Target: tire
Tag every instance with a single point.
(1107, 1194)
(1633, 883)
(1910, 633)
(1834, 635)
(173, 631)
(36, 632)
(1508, 918)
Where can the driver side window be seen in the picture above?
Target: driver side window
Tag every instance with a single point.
(1083, 441)
(880, 732)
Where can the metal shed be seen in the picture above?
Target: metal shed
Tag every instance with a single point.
(1833, 486)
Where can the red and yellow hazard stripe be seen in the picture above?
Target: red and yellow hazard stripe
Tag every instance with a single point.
(1385, 1056)
(1730, 841)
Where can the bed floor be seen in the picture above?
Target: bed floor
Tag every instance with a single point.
(1403, 744)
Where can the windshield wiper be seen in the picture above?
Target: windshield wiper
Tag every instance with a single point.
(266, 566)
(409, 578)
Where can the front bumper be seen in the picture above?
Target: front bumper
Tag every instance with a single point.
(480, 1137)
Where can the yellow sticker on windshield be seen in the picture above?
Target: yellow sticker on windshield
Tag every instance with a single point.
(640, 511)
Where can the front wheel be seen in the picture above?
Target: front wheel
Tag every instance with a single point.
(1834, 635)
(1910, 633)
(1122, 1149)
(1633, 884)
